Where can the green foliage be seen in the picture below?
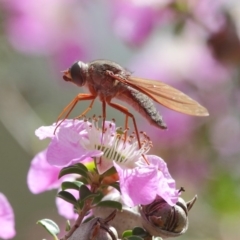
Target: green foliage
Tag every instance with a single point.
(68, 226)
(109, 203)
(67, 197)
(138, 231)
(133, 238)
(71, 185)
(226, 193)
(78, 168)
(85, 193)
(50, 226)
(115, 185)
(109, 172)
(127, 233)
(136, 234)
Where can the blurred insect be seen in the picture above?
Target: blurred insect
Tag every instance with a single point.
(107, 80)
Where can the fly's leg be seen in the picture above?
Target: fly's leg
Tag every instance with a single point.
(127, 114)
(104, 117)
(86, 110)
(68, 109)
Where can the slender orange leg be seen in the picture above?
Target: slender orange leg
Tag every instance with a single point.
(86, 110)
(104, 117)
(128, 114)
(104, 112)
(72, 104)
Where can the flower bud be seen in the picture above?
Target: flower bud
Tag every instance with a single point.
(97, 229)
(162, 220)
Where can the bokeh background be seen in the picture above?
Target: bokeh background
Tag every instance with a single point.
(192, 45)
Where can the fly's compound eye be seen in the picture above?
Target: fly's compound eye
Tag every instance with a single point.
(77, 72)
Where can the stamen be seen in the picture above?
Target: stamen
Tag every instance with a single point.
(114, 143)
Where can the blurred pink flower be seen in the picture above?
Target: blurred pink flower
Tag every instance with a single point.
(208, 13)
(7, 221)
(186, 64)
(72, 144)
(133, 21)
(225, 135)
(46, 27)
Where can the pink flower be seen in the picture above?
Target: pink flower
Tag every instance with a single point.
(211, 10)
(142, 184)
(176, 65)
(65, 148)
(41, 175)
(47, 28)
(7, 229)
(133, 21)
(74, 143)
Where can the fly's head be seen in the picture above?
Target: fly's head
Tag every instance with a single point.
(76, 73)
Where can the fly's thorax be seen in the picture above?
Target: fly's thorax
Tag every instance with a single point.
(103, 84)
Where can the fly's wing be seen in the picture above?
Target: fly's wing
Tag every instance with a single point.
(167, 96)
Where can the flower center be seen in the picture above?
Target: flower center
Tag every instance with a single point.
(115, 144)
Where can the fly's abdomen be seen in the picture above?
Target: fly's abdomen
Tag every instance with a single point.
(143, 104)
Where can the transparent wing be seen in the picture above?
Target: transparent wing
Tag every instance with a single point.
(167, 96)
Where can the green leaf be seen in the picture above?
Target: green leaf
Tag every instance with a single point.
(109, 172)
(67, 197)
(98, 198)
(71, 185)
(85, 193)
(90, 166)
(127, 233)
(138, 231)
(83, 180)
(68, 226)
(73, 170)
(109, 203)
(87, 219)
(81, 166)
(80, 204)
(115, 185)
(50, 226)
(134, 238)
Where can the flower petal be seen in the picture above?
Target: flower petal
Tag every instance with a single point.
(45, 132)
(49, 131)
(138, 185)
(166, 184)
(7, 229)
(65, 149)
(41, 175)
(103, 165)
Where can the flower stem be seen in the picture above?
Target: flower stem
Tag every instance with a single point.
(82, 214)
